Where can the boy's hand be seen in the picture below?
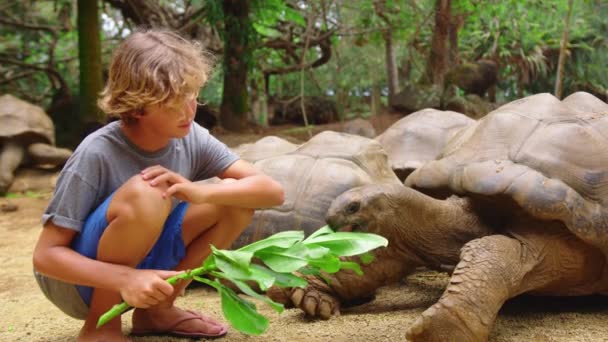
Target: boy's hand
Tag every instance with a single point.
(178, 186)
(147, 288)
(192, 192)
(158, 175)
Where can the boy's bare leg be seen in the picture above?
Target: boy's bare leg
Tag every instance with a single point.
(203, 225)
(136, 216)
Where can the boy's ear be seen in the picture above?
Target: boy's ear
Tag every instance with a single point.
(138, 113)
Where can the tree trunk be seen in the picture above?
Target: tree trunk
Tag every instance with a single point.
(375, 102)
(438, 59)
(391, 65)
(89, 55)
(456, 23)
(237, 54)
(559, 79)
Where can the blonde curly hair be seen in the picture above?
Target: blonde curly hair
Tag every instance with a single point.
(153, 67)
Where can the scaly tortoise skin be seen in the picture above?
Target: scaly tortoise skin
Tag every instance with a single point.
(27, 136)
(517, 202)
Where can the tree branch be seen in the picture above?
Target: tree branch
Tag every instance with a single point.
(51, 73)
(50, 29)
(17, 77)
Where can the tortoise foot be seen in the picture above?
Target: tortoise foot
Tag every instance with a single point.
(438, 323)
(6, 179)
(316, 303)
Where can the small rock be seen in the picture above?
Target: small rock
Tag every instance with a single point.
(8, 207)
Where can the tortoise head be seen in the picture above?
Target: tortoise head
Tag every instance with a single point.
(367, 208)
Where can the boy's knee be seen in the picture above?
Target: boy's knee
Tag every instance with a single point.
(241, 216)
(136, 199)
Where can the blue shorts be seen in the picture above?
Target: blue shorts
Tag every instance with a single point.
(168, 251)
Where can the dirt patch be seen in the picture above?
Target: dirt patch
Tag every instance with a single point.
(26, 315)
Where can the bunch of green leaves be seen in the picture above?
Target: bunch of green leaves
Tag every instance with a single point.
(279, 256)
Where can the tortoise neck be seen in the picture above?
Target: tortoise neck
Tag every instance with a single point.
(437, 229)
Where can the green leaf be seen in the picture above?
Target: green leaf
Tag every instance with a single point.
(348, 243)
(329, 263)
(282, 279)
(349, 265)
(367, 258)
(266, 31)
(241, 258)
(283, 239)
(232, 269)
(209, 263)
(242, 314)
(308, 251)
(264, 280)
(292, 15)
(310, 270)
(250, 292)
(321, 231)
(281, 259)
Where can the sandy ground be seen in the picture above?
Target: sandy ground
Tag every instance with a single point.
(26, 315)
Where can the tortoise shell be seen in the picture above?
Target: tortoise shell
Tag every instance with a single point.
(22, 120)
(313, 175)
(550, 157)
(420, 137)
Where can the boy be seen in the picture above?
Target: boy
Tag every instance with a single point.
(112, 226)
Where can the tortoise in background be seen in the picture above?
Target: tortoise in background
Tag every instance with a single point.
(586, 102)
(420, 137)
(518, 202)
(313, 175)
(27, 136)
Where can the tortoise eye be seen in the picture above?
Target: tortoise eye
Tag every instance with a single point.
(352, 208)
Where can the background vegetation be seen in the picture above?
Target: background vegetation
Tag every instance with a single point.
(360, 55)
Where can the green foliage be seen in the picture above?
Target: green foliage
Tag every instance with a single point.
(211, 93)
(280, 255)
(27, 53)
(269, 12)
(525, 37)
(27, 194)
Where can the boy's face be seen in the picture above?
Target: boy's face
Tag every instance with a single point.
(170, 119)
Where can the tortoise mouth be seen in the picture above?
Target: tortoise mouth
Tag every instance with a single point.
(347, 228)
(353, 227)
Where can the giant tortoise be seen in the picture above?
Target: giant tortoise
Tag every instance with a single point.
(312, 174)
(26, 136)
(420, 137)
(518, 203)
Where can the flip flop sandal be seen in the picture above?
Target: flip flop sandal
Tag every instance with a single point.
(172, 329)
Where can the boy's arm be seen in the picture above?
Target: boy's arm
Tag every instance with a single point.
(54, 257)
(250, 189)
(253, 189)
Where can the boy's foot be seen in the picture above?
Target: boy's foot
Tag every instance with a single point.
(174, 321)
(109, 332)
(100, 336)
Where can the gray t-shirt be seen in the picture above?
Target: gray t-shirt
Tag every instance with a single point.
(106, 159)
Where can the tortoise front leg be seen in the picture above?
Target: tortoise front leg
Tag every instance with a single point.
(491, 271)
(11, 156)
(40, 153)
(321, 299)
